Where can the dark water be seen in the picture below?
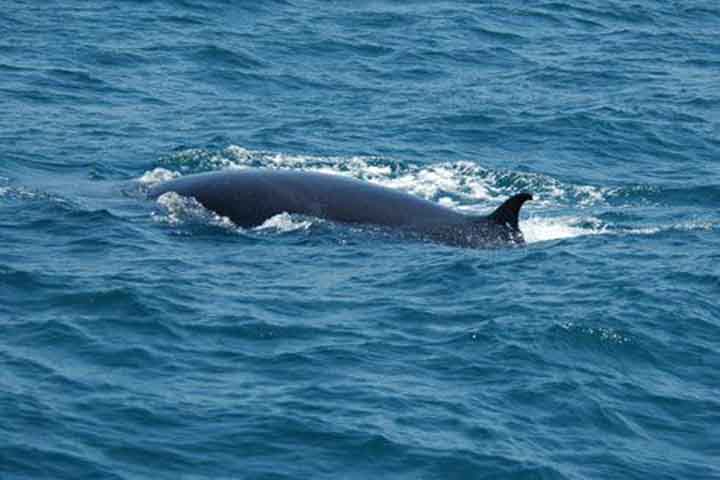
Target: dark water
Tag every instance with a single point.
(143, 339)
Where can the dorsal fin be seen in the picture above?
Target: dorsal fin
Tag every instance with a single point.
(507, 213)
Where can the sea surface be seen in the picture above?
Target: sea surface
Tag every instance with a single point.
(144, 339)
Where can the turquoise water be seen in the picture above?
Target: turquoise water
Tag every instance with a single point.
(154, 339)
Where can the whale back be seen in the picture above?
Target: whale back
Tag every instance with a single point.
(249, 197)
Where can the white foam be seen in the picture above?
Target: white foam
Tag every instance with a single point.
(459, 178)
(447, 202)
(689, 226)
(180, 210)
(541, 229)
(678, 227)
(238, 152)
(646, 230)
(439, 181)
(589, 195)
(192, 159)
(157, 175)
(284, 223)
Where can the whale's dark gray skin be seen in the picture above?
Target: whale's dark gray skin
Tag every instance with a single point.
(249, 197)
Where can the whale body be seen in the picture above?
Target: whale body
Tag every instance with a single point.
(250, 197)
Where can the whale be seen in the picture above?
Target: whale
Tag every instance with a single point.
(249, 197)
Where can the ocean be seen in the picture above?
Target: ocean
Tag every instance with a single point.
(146, 338)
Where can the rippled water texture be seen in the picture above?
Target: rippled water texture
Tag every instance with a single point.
(154, 339)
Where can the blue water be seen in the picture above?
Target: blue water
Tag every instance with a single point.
(153, 339)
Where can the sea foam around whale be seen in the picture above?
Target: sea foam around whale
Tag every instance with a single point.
(558, 211)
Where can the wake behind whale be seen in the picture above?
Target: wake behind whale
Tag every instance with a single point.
(250, 197)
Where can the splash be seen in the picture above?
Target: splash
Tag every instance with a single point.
(542, 229)
(284, 223)
(179, 210)
(451, 184)
(156, 176)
